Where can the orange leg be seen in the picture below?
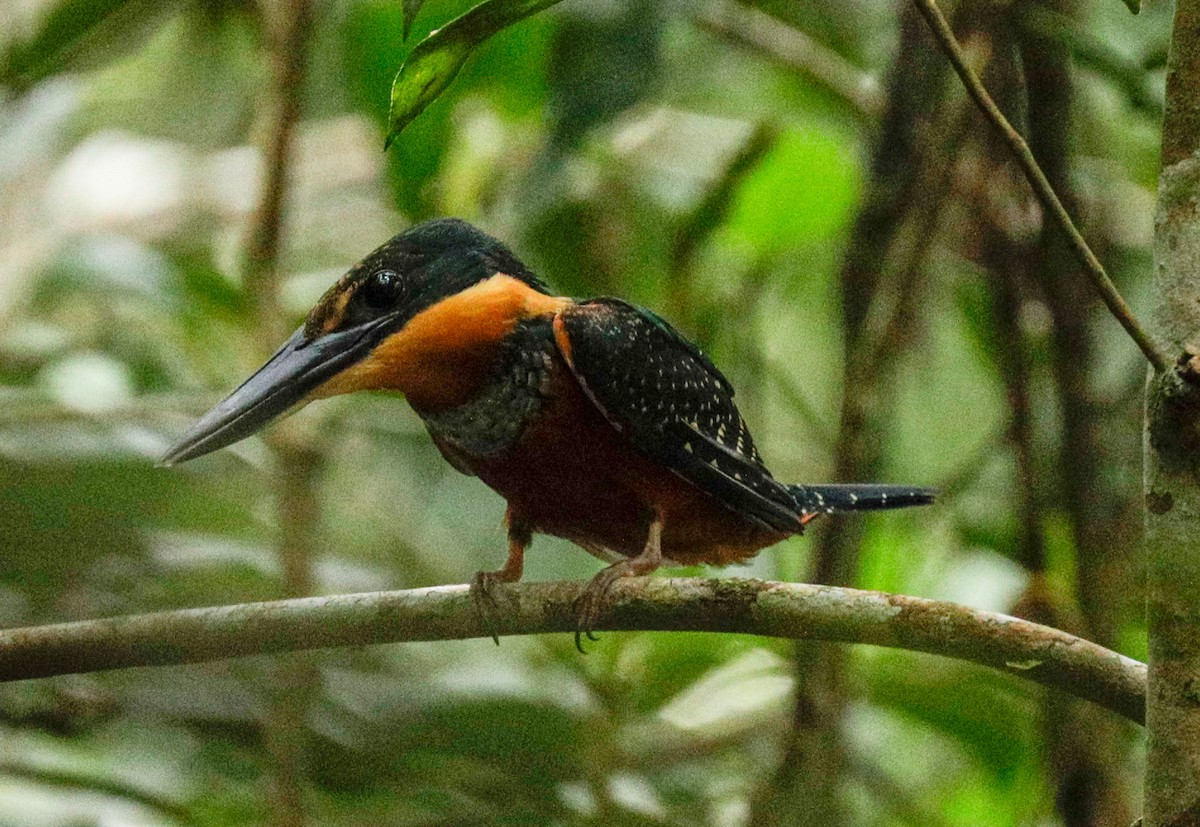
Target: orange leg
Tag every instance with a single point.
(594, 599)
(519, 538)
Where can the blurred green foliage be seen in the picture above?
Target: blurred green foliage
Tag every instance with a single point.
(586, 136)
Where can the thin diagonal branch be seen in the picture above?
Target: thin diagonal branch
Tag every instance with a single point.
(706, 218)
(69, 779)
(791, 610)
(790, 47)
(1041, 186)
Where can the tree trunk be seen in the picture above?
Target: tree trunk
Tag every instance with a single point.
(1173, 453)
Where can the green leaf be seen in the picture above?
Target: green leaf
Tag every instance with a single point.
(411, 9)
(1134, 6)
(437, 59)
(79, 34)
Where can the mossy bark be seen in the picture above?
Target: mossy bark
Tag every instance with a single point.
(798, 611)
(1173, 452)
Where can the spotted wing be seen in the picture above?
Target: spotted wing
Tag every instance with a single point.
(661, 391)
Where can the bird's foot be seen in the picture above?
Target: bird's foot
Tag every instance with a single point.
(486, 608)
(595, 600)
(483, 584)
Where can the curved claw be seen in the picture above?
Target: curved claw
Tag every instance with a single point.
(594, 600)
(484, 581)
(485, 602)
(580, 635)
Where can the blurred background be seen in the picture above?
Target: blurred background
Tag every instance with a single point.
(801, 187)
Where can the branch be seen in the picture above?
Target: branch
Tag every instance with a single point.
(289, 28)
(755, 29)
(1127, 75)
(288, 36)
(1172, 484)
(789, 610)
(1041, 187)
(881, 282)
(87, 783)
(706, 218)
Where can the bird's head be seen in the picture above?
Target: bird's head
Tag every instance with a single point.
(416, 316)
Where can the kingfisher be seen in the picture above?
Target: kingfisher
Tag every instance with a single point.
(595, 419)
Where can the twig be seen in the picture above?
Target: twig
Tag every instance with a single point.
(883, 275)
(969, 469)
(297, 467)
(1005, 258)
(755, 29)
(791, 610)
(901, 195)
(890, 314)
(797, 401)
(86, 782)
(1080, 741)
(708, 215)
(906, 805)
(1092, 497)
(1129, 76)
(1041, 187)
(288, 53)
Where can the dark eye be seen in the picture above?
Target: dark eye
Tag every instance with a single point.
(382, 289)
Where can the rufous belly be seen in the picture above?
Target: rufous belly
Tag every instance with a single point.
(573, 475)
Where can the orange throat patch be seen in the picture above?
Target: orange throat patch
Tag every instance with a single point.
(445, 353)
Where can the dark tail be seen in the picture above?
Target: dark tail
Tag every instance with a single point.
(823, 499)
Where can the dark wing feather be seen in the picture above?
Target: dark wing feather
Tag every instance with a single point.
(658, 389)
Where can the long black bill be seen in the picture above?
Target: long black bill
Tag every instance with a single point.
(291, 374)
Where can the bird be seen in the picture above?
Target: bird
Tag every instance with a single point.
(595, 419)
